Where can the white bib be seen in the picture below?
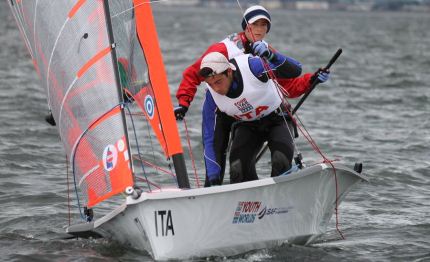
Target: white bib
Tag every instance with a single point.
(258, 99)
(234, 46)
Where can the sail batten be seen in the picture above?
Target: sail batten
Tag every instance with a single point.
(76, 8)
(93, 60)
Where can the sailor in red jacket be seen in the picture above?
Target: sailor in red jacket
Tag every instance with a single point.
(216, 130)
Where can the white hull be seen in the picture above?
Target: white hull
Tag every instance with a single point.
(231, 219)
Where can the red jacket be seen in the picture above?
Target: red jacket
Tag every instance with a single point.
(191, 78)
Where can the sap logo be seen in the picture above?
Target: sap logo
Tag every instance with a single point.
(273, 211)
(163, 223)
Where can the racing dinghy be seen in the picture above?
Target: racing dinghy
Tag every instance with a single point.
(231, 219)
(101, 67)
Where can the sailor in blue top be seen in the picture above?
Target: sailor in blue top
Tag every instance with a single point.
(242, 90)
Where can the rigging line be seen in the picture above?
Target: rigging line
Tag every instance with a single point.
(326, 160)
(147, 181)
(152, 147)
(68, 190)
(308, 136)
(290, 115)
(130, 9)
(311, 141)
(154, 166)
(128, 93)
(24, 20)
(21, 28)
(148, 128)
(166, 148)
(336, 208)
(191, 154)
(269, 73)
(34, 24)
(79, 138)
(155, 102)
(137, 146)
(73, 154)
(76, 188)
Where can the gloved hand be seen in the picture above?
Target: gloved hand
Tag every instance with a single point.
(180, 112)
(321, 76)
(261, 49)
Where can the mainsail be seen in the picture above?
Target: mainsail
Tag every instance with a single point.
(90, 55)
(72, 49)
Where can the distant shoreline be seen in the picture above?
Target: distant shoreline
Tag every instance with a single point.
(370, 6)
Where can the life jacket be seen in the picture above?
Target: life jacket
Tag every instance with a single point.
(234, 45)
(258, 99)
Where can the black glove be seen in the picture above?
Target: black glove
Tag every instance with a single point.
(50, 119)
(180, 112)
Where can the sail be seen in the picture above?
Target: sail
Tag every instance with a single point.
(71, 46)
(143, 75)
(142, 70)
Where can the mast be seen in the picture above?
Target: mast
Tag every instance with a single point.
(181, 171)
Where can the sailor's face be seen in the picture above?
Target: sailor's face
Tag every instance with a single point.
(257, 31)
(220, 83)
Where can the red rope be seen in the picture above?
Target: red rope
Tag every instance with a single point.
(149, 182)
(68, 190)
(305, 133)
(191, 154)
(337, 204)
(312, 142)
(154, 166)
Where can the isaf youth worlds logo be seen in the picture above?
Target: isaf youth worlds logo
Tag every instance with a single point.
(247, 211)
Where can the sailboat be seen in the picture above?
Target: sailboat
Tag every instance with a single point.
(97, 58)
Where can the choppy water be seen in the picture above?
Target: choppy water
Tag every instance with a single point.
(375, 109)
